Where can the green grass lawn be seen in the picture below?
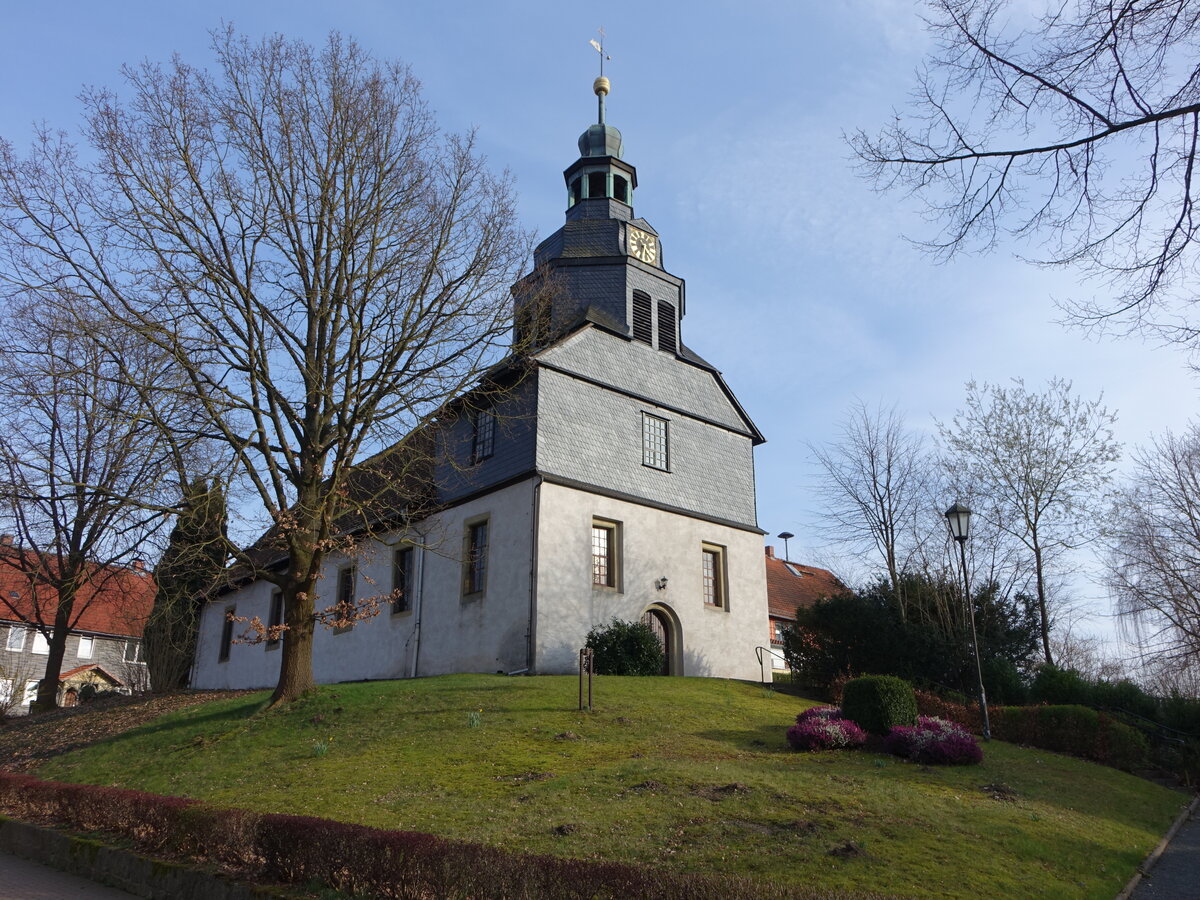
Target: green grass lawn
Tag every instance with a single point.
(687, 773)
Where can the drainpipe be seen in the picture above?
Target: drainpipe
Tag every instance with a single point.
(533, 568)
(418, 608)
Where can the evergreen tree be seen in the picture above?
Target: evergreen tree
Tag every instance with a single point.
(190, 566)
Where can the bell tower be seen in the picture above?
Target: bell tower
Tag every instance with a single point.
(605, 264)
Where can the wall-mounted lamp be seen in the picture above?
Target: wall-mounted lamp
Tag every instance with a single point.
(661, 584)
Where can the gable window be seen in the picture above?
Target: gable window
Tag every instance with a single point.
(135, 652)
(654, 442)
(402, 579)
(226, 635)
(643, 318)
(275, 618)
(476, 558)
(16, 639)
(712, 560)
(40, 645)
(606, 540)
(345, 598)
(666, 327)
(483, 438)
(85, 647)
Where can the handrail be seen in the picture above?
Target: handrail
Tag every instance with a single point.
(762, 670)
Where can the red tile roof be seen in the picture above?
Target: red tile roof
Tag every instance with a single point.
(790, 585)
(117, 602)
(92, 668)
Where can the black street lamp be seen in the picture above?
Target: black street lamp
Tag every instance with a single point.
(958, 517)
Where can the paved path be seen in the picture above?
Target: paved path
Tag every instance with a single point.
(21, 879)
(1176, 875)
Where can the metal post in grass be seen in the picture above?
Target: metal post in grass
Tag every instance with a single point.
(586, 665)
(958, 517)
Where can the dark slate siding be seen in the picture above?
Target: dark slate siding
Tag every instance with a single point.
(515, 441)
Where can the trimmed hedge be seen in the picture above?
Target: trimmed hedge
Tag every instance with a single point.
(356, 859)
(879, 703)
(1074, 730)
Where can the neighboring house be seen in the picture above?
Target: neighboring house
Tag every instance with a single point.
(614, 478)
(791, 586)
(103, 648)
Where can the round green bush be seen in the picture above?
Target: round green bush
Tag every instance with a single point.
(625, 648)
(879, 703)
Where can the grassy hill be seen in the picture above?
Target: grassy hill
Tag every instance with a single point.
(690, 774)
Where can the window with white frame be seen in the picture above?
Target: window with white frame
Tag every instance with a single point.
(712, 560)
(483, 438)
(275, 618)
(655, 449)
(16, 638)
(475, 559)
(226, 634)
(40, 645)
(86, 646)
(606, 556)
(776, 631)
(345, 598)
(6, 688)
(135, 652)
(31, 688)
(402, 579)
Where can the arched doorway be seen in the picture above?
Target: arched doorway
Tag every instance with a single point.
(662, 621)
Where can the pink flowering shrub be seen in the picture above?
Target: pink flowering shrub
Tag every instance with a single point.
(819, 714)
(821, 728)
(934, 742)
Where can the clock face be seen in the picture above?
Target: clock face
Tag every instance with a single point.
(643, 246)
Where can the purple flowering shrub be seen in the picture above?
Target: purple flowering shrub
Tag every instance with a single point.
(934, 742)
(819, 714)
(822, 728)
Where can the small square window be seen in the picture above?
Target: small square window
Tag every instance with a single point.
(713, 576)
(483, 442)
(86, 646)
(275, 618)
(475, 559)
(402, 579)
(655, 449)
(345, 598)
(226, 634)
(16, 639)
(40, 645)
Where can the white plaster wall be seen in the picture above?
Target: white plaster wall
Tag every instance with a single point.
(483, 634)
(654, 543)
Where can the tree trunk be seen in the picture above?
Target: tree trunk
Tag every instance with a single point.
(47, 695)
(1041, 598)
(296, 672)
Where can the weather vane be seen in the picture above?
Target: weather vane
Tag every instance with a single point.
(599, 48)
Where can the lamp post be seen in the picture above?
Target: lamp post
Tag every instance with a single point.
(958, 517)
(785, 536)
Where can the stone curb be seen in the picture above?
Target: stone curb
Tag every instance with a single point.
(1150, 860)
(139, 875)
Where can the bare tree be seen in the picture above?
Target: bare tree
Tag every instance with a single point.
(874, 489)
(1154, 559)
(294, 232)
(85, 476)
(1040, 464)
(1078, 132)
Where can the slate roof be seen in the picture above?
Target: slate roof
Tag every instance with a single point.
(791, 585)
(116, 602)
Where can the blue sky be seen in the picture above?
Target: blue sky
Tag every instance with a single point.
(801, 286)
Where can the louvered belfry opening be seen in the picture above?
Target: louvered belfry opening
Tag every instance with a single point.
(666, 327)
(643, 324)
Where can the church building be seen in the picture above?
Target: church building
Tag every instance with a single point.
(615, 478)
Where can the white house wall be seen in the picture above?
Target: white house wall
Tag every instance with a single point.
(487, 633)
(653, 544)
